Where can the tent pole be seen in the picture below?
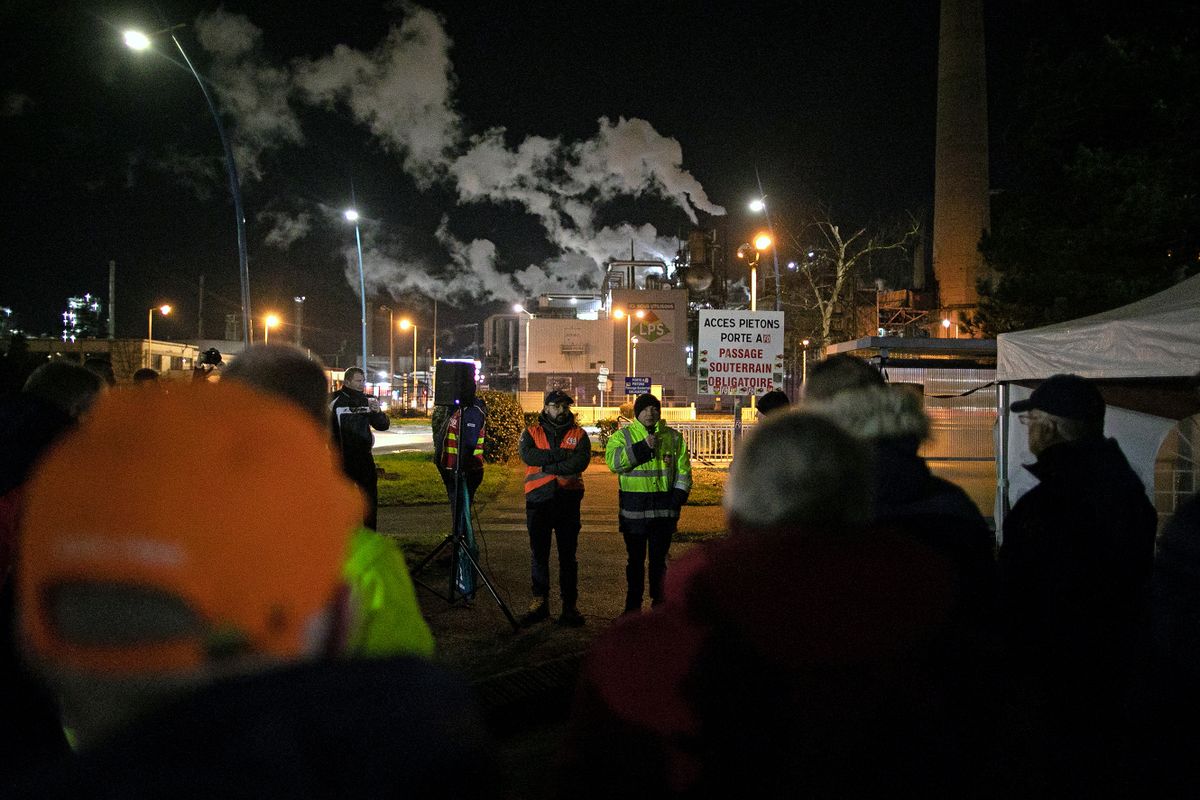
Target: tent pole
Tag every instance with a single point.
(1001, 509)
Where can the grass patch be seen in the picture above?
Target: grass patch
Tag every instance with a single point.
(411, 479)
(707, 486)
(409, 422)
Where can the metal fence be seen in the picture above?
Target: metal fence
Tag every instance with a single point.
(962, 421)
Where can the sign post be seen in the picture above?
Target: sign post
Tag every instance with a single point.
(636, 386)
(740, 354)
(602, 383)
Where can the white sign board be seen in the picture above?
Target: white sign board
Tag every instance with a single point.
(741, 352)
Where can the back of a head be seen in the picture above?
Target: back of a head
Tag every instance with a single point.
(102, 367)
(131, 593)
(68, 387)
(773, 401)
(837, 374)
(284, 371)
(799, 469)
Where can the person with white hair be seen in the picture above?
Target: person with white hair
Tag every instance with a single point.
(807, 648)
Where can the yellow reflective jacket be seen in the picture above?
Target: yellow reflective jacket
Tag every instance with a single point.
(654, 483)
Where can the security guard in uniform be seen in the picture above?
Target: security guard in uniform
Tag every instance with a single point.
(555, 451)
(654, 473)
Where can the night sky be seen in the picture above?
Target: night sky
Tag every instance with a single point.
(496, 150)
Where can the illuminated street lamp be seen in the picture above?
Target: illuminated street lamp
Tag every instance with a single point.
(759, 206)
(804, 362)
(351, 215)
(750, 253)
(520, 309)
(633, 373)
(164, 309)
(946, 323)
(391, 346)
(620, 314)
(137, 40)
(269, 321)
(405, 324)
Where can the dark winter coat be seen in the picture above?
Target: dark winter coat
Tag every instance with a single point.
(352, 422)
(1076, 559)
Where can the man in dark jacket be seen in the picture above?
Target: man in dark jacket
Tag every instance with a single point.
(354, 414)
(556, 451)
(1075, 565)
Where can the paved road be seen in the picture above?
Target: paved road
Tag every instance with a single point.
(403, 437)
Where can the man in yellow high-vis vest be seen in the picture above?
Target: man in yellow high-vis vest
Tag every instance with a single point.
(556, 451)
(654, 473)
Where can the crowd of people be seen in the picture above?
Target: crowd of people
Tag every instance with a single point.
(196, 602)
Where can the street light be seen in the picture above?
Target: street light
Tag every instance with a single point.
(137, 40)
(269, 321)
(759, 206)
(391, 347)
(520, 309)
(804, 362)
(620, 314)
(405, 324)
(946, 323)
(351, 215)
(633, 374)
(164, 309)
(750, 253)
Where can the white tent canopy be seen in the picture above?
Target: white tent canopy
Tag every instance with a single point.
(1152, 338)
(1140, 353)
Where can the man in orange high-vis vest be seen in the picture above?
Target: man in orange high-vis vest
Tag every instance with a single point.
(556, 451)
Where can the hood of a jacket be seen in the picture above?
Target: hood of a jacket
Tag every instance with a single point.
(878, 412)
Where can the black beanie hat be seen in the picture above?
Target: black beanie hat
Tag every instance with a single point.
(644, 400)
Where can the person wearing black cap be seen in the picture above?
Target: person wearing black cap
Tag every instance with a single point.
(654, 473)
(1075, 565)
(556, 451)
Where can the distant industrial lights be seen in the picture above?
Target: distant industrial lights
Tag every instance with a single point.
(136, 40)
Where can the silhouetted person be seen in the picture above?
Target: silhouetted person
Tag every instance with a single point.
(838, 373)
(354, 414)
(805, 652)
(54, 397)
(772, 401)
(1075, 565)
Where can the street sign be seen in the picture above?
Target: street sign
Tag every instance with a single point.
(740, 353)
(637, 385)
(603, 371)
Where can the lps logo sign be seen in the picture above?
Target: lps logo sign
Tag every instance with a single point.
(651, 328)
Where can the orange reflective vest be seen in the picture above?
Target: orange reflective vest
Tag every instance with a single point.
(535, 478)
(473, 461)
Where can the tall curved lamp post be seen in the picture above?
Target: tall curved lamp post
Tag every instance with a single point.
(351, 215)
(750, 253)
(164, 310)
(137, 40)
(520, 309)
(633, 373)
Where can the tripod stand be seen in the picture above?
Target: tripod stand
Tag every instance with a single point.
(461, 585)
